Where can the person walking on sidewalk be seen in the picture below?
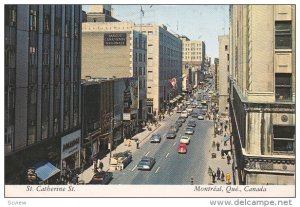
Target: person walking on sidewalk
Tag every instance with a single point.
(218, 173)
(222, 176)
(137, 143)
(213, 177)
(101, 166)
(218, 146)
(228, 159)
(225, 127)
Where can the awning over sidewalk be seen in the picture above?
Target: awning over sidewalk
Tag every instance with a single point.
(45, 170)
(226, 138)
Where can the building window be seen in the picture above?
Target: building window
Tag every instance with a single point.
(140, 57)
(11, 15)
(47, 23)
(284, 138)
(283, 87)
(283, 35)
(45, 57)
(31, 134)
(76, 30)
(226, 47)
(135, 57)
(57, 58)
(57, 26)
(33, 20)
(67, 29)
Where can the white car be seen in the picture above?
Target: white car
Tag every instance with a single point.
(185, 139)
(184, 114)
(200, 117)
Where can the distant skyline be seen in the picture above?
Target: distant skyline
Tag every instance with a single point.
(197, 22)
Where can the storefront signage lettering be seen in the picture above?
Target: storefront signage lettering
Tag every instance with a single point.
(71, 144)
(114, 39)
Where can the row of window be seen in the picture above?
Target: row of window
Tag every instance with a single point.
(33, 24)
(139, 57)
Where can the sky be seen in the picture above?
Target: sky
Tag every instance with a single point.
(204, 22)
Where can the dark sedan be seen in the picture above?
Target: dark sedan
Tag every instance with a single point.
(102, 178)
(171, 135)
(191, 124)
(155, 138)
(181, 119)
(179, 123)
(146, 163)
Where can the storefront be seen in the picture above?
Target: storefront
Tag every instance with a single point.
(70, 152)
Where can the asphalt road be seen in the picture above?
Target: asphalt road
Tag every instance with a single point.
(171, 167)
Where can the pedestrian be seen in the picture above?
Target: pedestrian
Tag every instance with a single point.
(218, 146)
(228, 159)
(222, 153)
(225, 127)
(228, 179)
(218, 173)
(137, 144)
(213, 177)
(98, 163)
(222, 176)
(129, 143)
(101, 166)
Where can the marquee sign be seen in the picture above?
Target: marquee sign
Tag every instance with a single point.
(114, 39)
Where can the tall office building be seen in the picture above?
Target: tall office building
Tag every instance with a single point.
(164, 61)
(42, 81)
(263, 92)
(223, 74)
(193, 59)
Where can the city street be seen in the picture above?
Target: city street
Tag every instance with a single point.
(171, 167)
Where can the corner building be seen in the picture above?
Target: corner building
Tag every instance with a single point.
(164, 60)
(263, 92)
(116, 50)
(42, 83)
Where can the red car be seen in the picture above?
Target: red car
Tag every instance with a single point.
(182, 148)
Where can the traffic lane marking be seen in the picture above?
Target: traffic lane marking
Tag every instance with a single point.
(167, 155)
(157, 170)
(133, 168)
(147, 153)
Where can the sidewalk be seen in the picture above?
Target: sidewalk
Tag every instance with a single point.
(87, 175)
(219, 162)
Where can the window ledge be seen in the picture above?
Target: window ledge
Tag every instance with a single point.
(283, 50)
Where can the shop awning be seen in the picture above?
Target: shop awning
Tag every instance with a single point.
(226, 138)
(45, 170)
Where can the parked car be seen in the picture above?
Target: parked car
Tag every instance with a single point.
(171, 135)
(185, 139)
(179, 123)
(155, 138)
(200, 117)
(189, 130)
(120, 160)
(102, 178)
(184, 114)
(181, 119)
(146, 163)
(182, 148)
(189, 110)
